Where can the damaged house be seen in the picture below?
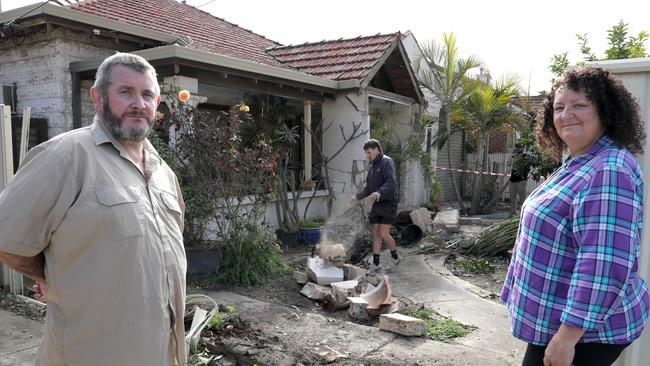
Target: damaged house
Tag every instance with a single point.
(49, 54)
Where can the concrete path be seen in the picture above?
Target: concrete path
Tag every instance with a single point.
(19, 339)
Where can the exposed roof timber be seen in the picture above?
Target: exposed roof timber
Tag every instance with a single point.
(382, 60)
(414, 81)
(390, 97)
(93, 20)
(188, 54)
(624, 66)
(411, 72)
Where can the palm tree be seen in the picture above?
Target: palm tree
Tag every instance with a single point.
(487, 108)
(445, 77)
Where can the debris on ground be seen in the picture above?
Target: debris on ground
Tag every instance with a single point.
(448, 220)
(323, 273)
(422, 219)
(402, 324)
(496, 239)
(301, 277)
(358, 308)
(315, 291)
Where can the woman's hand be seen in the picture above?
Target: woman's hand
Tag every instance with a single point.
(562, 347)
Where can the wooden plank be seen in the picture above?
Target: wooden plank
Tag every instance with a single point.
(24, 134)
(6, 169)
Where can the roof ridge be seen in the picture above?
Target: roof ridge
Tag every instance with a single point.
(334, 41)
(83, 2)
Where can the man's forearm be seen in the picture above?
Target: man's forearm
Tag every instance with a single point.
(33, 267)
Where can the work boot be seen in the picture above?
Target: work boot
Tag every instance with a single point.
(393, 263)
(374, 270)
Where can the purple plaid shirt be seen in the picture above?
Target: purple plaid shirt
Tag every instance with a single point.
(575, 260)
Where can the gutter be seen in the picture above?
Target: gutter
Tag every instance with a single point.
(85, 18)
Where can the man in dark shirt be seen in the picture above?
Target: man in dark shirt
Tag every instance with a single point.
(381, 187)
(518, 178)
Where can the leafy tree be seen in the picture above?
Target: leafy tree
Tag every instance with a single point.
(559, 63)
(487, 108)
(445, 77)
(621, 45)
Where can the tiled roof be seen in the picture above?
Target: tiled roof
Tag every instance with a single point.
(341, 59)
(207, 32)
(532, 104)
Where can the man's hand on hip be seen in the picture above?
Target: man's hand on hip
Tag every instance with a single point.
(374, 197)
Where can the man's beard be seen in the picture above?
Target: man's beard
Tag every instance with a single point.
(126, 133)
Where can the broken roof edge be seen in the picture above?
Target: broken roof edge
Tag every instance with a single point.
(175, 51)
(85, 18)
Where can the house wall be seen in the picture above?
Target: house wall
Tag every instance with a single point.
(347, 108)
(432, 106)
(412, 187)
(42, 76)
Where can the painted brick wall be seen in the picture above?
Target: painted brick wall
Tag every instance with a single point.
(41, 73)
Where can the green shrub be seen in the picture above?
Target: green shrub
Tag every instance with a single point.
(476, 266)
(441, 330)
(252, 256)
(311, 224)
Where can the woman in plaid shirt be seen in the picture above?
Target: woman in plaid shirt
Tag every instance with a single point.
(573, 290)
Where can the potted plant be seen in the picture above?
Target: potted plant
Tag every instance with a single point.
(311, 231)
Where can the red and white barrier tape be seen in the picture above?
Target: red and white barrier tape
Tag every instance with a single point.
(474, 172)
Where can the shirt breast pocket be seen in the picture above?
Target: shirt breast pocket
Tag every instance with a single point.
(120, 212)
(174, 217)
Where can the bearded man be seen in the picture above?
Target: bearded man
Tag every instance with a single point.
(96, 217)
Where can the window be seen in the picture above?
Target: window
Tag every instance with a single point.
(8, 96)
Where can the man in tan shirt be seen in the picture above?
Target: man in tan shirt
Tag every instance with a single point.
(96, 216)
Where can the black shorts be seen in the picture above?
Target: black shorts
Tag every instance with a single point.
(383, 213)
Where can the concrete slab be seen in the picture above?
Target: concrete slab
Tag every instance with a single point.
(322, 273)
(19, 339)
(448, 220)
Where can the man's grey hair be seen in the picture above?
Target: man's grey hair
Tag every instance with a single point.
(103, 77)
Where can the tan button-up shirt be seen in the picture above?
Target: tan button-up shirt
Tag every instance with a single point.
(112, 240)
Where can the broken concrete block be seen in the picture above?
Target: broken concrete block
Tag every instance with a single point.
(323, 273)
(402, 324)
(358, 308)
(381, 295)
(422, 219)
(382, 309)
(448, 220)
(314, 291)
(353, 272)
(343, 290)
(301, 277)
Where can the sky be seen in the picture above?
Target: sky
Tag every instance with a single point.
(517, 37)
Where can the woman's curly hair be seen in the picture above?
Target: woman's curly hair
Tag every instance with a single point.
(617, 109)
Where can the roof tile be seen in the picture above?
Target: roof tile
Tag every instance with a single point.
(208, 33)
(341, 59)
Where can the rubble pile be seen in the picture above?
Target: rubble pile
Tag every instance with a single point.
(341, 286)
